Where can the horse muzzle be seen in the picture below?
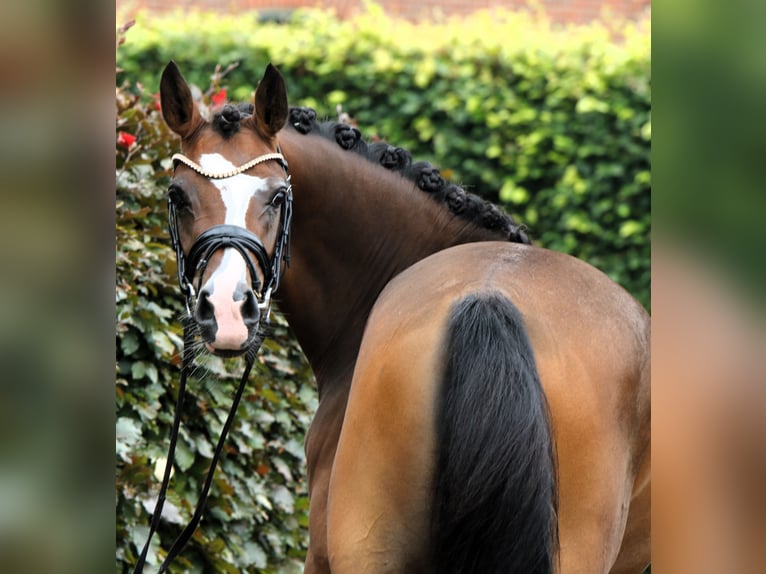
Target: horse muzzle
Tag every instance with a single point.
(227, 309)
(229, 323)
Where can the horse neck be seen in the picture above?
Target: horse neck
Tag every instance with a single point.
(355, 226)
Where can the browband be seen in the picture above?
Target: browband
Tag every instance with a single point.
(222, 175)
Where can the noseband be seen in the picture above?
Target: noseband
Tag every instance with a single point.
(244, 241)
(208, 242)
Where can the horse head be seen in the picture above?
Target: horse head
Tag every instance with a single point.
(229, 208)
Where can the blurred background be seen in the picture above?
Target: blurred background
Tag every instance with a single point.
(709, 337)
(574, 12)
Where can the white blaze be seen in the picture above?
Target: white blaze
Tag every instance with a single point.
(236, 193)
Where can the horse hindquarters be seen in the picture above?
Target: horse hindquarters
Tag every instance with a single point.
(495, 485)
(445, 461)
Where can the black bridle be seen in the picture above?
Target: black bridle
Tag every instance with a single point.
(240, 238)
(208, 242)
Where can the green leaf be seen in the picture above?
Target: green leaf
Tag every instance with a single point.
(255, 555)
(511, 193)
(138, 370)
(184, 457)
(128, 434)
(630, 228)
(129, 343)
(283, 498)
(163, 343)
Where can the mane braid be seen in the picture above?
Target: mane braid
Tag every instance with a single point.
(226, 120)
(425, 176)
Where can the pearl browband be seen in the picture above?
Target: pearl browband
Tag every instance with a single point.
(224, 174)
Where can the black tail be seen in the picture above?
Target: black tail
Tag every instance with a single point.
(496, 501)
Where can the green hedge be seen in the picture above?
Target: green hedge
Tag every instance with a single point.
(555, 124)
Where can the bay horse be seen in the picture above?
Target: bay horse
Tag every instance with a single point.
(483, 402)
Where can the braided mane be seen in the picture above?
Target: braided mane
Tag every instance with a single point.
(425, 176)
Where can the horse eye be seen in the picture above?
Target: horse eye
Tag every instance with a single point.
(178, 197)
(279, 197)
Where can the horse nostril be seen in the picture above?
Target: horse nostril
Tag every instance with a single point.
(205, 311)
(250, 312)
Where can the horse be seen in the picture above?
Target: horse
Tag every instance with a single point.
(484, 403)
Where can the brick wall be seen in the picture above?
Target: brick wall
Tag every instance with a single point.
(575, 11)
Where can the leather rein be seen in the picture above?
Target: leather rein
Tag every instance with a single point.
(211, 240)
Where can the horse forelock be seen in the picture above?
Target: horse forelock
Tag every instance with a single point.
(228, 119)
(426, 177)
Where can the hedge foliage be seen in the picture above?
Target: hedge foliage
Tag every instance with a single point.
(554, 124)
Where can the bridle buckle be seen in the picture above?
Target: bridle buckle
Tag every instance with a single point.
(190, 296)
(265, 304)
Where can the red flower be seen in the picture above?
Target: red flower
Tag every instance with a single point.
(219, 97)
(125, 139)
(156, 104)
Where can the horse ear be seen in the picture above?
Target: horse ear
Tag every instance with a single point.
(271, 103)
(178, 107)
